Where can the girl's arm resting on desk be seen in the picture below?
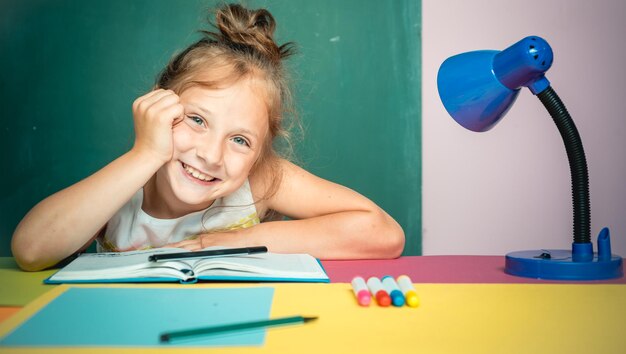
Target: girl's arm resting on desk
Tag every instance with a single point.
(344, 235)
(66, 221)
(331, 222)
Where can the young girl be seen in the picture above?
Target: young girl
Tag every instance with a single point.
(203, 172)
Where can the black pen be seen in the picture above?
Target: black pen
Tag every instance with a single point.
(207, 253)
(208, 331)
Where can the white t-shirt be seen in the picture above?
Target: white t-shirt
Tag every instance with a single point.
(132, 229)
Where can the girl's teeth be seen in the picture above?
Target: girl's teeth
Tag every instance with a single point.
(197, 174)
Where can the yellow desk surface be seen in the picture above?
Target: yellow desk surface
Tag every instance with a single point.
(452, 318)
(18, 288)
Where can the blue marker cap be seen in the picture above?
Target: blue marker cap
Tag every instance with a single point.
(390, 285)
(397, 299)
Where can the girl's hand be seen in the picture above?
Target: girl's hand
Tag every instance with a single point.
(226, 239)
(155, 114)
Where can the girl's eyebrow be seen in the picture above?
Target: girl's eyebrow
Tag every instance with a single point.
(204, 110)
(208, 113)
(248, 132)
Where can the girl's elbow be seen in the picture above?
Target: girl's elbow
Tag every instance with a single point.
(26, 255)
(28, 265)
(394, 241)
(25, 260)
(389, 236)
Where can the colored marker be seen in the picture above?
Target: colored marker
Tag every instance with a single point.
(376, 288)
(406, 285)
(363, 296)
(391, 287)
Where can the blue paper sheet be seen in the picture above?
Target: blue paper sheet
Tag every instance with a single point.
(127, 317)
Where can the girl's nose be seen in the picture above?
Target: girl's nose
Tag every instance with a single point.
(211, 151)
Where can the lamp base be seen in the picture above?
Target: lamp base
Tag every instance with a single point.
(560, 265)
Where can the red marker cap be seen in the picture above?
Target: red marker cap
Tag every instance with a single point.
(383, 299)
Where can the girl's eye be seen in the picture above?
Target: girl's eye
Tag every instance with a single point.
(240, 141)
(197, 120)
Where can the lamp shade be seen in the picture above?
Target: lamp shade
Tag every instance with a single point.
(478, 88)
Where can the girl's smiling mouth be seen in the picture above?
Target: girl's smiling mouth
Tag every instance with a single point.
(197, 175)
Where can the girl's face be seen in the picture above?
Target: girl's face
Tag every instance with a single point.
(216, 144)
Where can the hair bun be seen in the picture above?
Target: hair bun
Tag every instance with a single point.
(249, 30)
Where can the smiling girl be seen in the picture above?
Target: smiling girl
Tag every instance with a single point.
(203, 171)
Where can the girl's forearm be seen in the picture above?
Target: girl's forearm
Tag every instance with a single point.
(64, 222)
(345, 235)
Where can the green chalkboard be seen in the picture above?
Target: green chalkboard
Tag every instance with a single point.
(70, 70)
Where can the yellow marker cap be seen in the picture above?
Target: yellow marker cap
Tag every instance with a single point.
(411, 299)
(410, 296)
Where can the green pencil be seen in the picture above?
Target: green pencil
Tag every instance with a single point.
(207, 331)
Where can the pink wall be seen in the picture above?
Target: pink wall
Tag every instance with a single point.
(509, 189)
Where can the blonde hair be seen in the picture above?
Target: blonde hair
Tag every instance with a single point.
(241, 47)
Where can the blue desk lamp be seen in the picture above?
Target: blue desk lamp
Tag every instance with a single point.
(477, 89)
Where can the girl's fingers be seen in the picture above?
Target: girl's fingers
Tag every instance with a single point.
(176, 244)
(163, 106)
(148, 98)
(179, 118)
(155, 99)
(172, 113)
(191, 245)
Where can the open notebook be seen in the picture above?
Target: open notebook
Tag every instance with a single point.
(123, 267)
